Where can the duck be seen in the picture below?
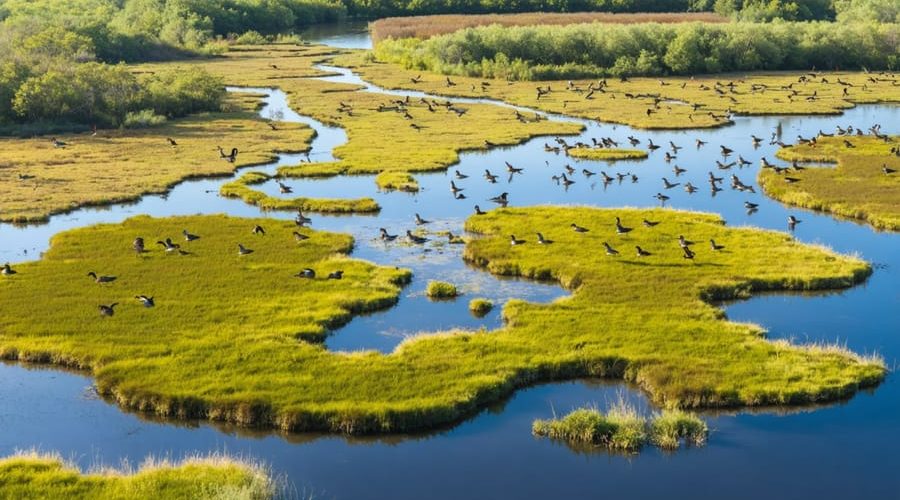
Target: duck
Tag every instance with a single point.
(57, 143)
(454, 239)
(171, 142)
(147, 301)
(298, 237)
(415, 239)
(674, 147)
(791, 180)
(420, 221)
(587, 173)
(138, 245)
(669, 185)
(502, 199)
(543, 241)
(715, 247)
(641, 252)
(700, 143)
(385, 236)
(336, 275)
(101, 279)
(514, 241)
(306, 273)
(188, 236)
(649, 223)
(743, 162)
(713, 179)
(578, 229)
(107, 310)
(610, 250)
(257, 229)
(243, 250)
(606, 178)
(620, 229)
(886, 170)
(7, 270)
(566, 181)
(479, 211)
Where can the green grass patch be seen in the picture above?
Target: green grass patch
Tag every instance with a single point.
(856, 187)
(35, 475)
(240, 188)
(480, 307)
(624, 429)
(396, 181)
(606, 154)
(441, 290)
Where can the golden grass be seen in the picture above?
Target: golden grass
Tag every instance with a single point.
(429, 26)
(240, 188)
(223, 341)
(855, 187)
(26, 475)
(38, 179)
(606, 154)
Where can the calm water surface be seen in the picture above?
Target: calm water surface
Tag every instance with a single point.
(838, 451)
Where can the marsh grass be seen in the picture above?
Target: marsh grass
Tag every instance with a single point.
(606, 154)
(240, 188)
(441, 290)
(32, 474)
(855, 187)
(480, 307)
(121, 165)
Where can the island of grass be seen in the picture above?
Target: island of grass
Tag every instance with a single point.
(38, 179)
(441, 290)
(605, 154)
(480, 307)
(240, 188)
(858, 186)
(34, 475)
(223, 341)
(624, 429)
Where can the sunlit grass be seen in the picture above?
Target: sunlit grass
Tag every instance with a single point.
(441, 290)
(855, 187)
(479, 307)
(607, 154)
(240, 188)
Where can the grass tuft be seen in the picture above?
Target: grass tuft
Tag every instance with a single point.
(607, 154)
(480, 307)
(441, 290)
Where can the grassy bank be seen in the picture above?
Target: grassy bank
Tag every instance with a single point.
(34, 475)
(423, 27)
(606, 154)
(241, 188)
(856, 186)
(38, 179)
(224, 340)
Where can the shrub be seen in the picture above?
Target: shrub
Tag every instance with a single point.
(480, 307)
(144, 118)
(251, 38)
(441, 290)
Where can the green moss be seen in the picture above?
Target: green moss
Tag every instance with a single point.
(856, 187)
(441, 290)
(480, 307)
(240, 188)
(607, 154)
(33, 475)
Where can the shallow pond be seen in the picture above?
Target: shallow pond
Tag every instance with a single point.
(846, 449)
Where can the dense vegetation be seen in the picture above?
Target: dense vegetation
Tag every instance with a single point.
(577, 51)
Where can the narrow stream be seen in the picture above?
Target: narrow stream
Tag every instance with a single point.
(845, 449)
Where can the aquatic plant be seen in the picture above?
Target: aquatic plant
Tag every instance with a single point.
(606, 154)
(441, 290)
(480, 307)
(240, 188)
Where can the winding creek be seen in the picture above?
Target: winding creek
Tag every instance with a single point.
(847, 449)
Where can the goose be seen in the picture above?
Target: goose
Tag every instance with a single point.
(490, 177)
(188, 236)
(107, 310)
(700, 143)
(684, 243)
(101, 279)
(513, 170)
(756, 140)
(138, 245)
(6, 270)
(578, 229)
(306, 273)
(670, 185)
(543, 241)
(714, 246)
(649, 223)
(651, 146)
(454, 189)
(751, 206)
(336, 275)
(678, 170)
(641, 252)
(415, 239)
(690, 188)
(478, 210)
(587, 173)
(725, 166)
(793, 221)
(791, 180)
(461, 176)
(610, 250)
(661, 197)
(298, 237)
(168, 246)
(257, 229)
(301, 219)
(420, 221)
(726, 151)
(284, 188)
(606, 178)
(743, 162)
(514, 242)
(688, 253)
(58, 143)
(620, 229)
(243, 251)
(502, 199)
(385, 236)
(147, 301)
(171, 142)
(887, 171)
(566, 181)
(674, 147)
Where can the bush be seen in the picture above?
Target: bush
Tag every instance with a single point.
(251, 38)
(144, 118)
(480, 307)
(441, 290)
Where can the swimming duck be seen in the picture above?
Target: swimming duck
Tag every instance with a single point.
(306, 273)
(243, 251)
(188, 236)
(301, 219)
(751, 206)
(726, 151)
(461, 176)
(284, 188)
(513, 170)
(490, 177)
(578, 229)
(503, 199)
(641, 252)
(714, 179)
(678, 170)
(700, 143)
(420, 221)
(620, 229)
(793, 221)
(454, 189)
(385, 236)
(415, 239)
(669, 185)
(610, 250)
(147, 301)
(714, 246)
(606, 178)
(101, 279)
(107, 310)
(587, 173)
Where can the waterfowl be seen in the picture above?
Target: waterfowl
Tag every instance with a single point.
(243, 251)
(490, 177)
(147, 301)
(649, 223)
(620, 229)
(688, 253)
(229, 157)
(461, 176)
(57, 143)
(543, 241)
(743, 162)
(306, 273)
(793, 221)
(887, 171)
(713, 179)
(171, 142)
(756, 140)
(138, 245)
(661, 197)
(284, 188)
(684, 243)
(669, 185)
(454, 239)
(513, 170)
(634, 178)
(301, 219)
(566, 181)
(634, 141)
(298, 237)
(678, 170)
(514, 241)
(587, 173)
(578, 229)
(336, 275)
(420, 221)
(6, 270)
(700, 143)
(101, 279)
(641, 252)
(502, 199)
(610, 250)
(690, 188)
(385, 236)
(258, 230)
(726, 151)
(714, 246)
(188, 236)
(606, 178)
(751, 206)
(478, 210)
(651, 146)
(674, 147)
(791, 180)
(725, 166)
(168, 246)
(107, 310)
(415, 239)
